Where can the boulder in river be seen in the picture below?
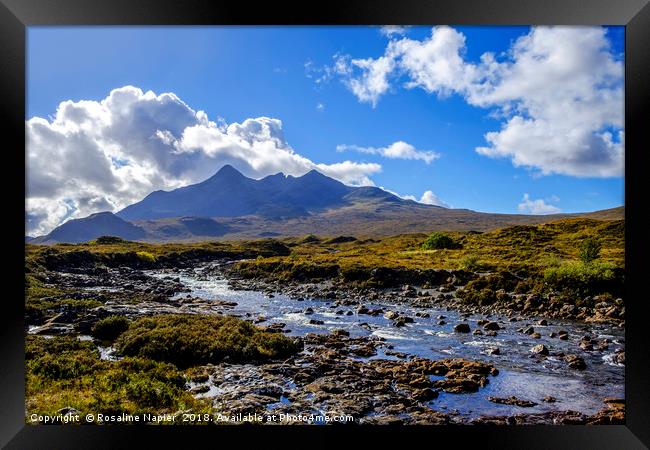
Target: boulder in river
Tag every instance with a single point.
(462, 328)
(512, 401)
(575, 362)
(491, 326)
(540, 349)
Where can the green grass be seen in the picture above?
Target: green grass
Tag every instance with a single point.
(65, 372)
(522, 248)
(188, 340)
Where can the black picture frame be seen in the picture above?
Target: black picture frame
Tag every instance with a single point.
(16, 15)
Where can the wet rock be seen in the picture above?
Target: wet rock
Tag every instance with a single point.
(540, 349)
(442, 322)
(575, 362)
(491, 333)
(619, 358)
(512, 401)
(536, 335)
(424, 395)
(614, 414)
(528, 330)
(462, 328)
(391, 315)
(339, 332)
(549, 399)
(477, 332)
(316, 322)
(543, 323)
(493, 351)
(491, 326)
(200, 389)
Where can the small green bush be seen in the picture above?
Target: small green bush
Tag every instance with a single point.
(470, 263)
(189, 340)
(438, 241)
(582, 279)
(589, 250)
(109, 328)
(146, 256)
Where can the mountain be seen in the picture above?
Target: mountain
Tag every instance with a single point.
(228, 193)
(92, 227)
(229, 205)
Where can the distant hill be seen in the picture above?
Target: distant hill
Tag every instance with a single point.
(229, 205)
(91, 227)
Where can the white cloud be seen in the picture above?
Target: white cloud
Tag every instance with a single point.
(427, 198)
(558, 90)
(538, 206)
(320, 107)
(104, 155)
(394, 30)
(396, 150)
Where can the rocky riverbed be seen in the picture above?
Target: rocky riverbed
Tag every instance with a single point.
(404, 355)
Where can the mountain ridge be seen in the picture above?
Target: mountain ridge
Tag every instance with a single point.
(230, 205)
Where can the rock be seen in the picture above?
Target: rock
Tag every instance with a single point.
(477, 332)
(491, 333)
(442, 322)
(309, 311)
(200, 389)
(422, 315)
(339, 332)
(425, 394)
(491, 326)
(529, 330)
(316, 322)
(542, 323)
(462, 328)
(493, 351)
(536, 335)
(391, 315)
(549, 399)
(575, 362)
(540, 349)
(619, 358)
(512, 401)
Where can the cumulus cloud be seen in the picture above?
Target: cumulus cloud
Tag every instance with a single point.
(104, 155)
(394, 30)
(539, 206)
(396, 150)
(427, 198)
(558, 91)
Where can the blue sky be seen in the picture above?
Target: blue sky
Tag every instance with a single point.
(285, 73)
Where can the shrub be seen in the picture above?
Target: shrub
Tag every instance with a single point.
(438, 241)
(589, 250)
(60, 358)
(583, 279)
(190, 340)
(146, 256)
(470, 263)
(109, 328)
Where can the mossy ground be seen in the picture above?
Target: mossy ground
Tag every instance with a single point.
(160, 354)
(519, 249)
(66, 372)
(188, 340)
